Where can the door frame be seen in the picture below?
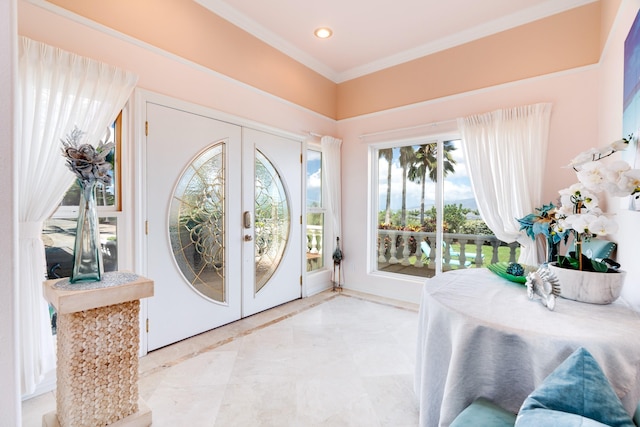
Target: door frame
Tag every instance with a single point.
(138, 153)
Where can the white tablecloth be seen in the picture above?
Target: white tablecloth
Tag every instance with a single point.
(480, 336)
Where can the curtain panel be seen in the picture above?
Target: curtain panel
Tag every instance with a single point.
(506, 152)
(331, 169)
(57, 91)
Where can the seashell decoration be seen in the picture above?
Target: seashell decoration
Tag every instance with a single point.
(543, 285)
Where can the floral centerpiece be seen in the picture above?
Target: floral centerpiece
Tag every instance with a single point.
(90, 166)
(579, 213)
(87, 162)
(580, 216)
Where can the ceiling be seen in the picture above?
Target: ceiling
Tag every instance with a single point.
(370, 35)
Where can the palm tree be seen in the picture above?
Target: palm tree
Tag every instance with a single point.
(407, 157)
(426, 163)
(387, 154)
(448, 162)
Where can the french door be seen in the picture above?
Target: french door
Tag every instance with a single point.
(223, 220)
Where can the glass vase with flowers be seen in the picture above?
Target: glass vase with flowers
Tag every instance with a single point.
(91, 167)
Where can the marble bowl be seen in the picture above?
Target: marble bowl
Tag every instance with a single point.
(588, 286)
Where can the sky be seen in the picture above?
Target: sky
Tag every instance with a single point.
(456, 186)
(314, 178)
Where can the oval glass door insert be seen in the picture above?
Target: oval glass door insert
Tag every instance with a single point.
(196, 223)
(272, 220)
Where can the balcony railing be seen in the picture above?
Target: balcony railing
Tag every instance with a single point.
(314, 247)
(415, 251)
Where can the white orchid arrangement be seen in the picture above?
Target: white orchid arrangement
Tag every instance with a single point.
(579, 212)
(89, 163)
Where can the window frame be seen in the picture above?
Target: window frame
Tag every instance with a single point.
(374, 201)
(322, 209)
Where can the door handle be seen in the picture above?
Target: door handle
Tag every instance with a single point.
(246, 219)
(248, 238)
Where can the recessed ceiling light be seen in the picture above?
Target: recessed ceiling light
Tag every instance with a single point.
(323, 32)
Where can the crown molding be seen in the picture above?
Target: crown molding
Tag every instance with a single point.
(549, 8)
(543, 10)
(230, 14)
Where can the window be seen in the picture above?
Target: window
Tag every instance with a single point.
(424, 227)
(315, 211)
(59, 230)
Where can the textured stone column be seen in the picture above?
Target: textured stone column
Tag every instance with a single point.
(98, 343)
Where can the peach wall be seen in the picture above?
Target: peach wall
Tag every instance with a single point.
(167, 74)
(560, 42)
(610, 118)
(177, 78)
(574, 127)
(574, 124)
(189, 30)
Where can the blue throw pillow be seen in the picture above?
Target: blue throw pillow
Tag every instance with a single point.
(577, 393)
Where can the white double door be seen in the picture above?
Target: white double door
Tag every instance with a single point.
(224, 238)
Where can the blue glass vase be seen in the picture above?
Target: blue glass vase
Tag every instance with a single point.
(87, 254)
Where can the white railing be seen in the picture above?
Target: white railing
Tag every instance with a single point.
(314, 239)
(315, 247)
(417, 248)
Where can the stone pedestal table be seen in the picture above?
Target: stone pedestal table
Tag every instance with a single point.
(97, 351)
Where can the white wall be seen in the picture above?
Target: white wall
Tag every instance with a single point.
(574, 124)
(610, 117)
(166, 74)
(158, 72)
(9, 372)
(578, 109)
(573, 129)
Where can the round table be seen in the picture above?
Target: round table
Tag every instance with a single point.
(479, 335)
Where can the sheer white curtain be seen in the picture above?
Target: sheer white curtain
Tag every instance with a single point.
(506, 152)
(331, 168)
(57, 91)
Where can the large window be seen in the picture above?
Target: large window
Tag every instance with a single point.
(59, 231)
(427, 217)
(315, 211)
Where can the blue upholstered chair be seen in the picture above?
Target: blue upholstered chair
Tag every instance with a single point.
(577, 392)
(483, 413)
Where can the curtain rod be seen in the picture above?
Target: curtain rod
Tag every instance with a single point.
(317, 135)
(383, 132)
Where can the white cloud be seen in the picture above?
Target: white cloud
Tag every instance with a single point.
(413, 189)
(454, 190)
(314, 180)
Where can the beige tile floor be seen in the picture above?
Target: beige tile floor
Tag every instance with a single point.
(334, 359)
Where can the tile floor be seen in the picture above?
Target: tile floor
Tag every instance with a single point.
(329, 360)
